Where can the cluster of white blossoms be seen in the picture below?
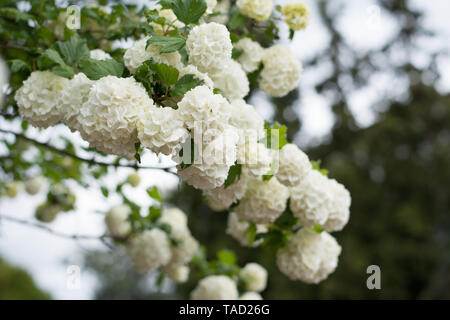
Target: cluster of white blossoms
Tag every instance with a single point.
(260, 10)
(152, 249)
(309, 256)
(254, 276)
(296, 15)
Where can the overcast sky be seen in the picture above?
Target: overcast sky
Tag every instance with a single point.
(47, 257)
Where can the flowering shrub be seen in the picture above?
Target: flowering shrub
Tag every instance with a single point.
(179, 90)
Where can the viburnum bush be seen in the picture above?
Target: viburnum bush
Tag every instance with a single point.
(169, 79)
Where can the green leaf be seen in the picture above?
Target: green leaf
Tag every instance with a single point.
(19, 65)
(53, 57)
(318, 229)
(237, 19)
(316, 166)
(273, 239)
(168, 43)
(184, 84)
(236, 53)
(154, 213)
(105, 191)
(251, 233)
(166, 74)
(226, 256)
(189, 11)
(63, 71)
(276, 136)
(233, 174)
(96, 69)
(153, 192)
(73, 50)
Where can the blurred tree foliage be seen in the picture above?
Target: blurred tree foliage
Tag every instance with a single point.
(16, 283)
(396, 170)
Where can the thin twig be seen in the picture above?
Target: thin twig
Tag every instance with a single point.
(89, 161)
(50, 230)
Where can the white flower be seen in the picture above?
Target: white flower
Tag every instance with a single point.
(255, 157)
(231, 80)
(246, 118)
(170, 16)
(293, 165)
(211, 169)
(254, 276)
(176, 219)
(149, 250)
(281, 72)
(38, 96)
(47, 212)
(202, 109)
(161, 130)
(250, 296)
(109, 117)
(191, 69)
(178, 273)
(116, 220)
(34, 185)
(215, 288)
(209, 46)
(211, 4)
(259, 10)
(139, 53)
(72, 97)
(237, 228)
(251, 56)
(222, 198)
(185, 250)
(99, 54)
(318, 200)
(264, 201)
(4, 74)
(309, 256)
(296, 15)
(340, 209)
(222, 7)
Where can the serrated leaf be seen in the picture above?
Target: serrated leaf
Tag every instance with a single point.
(97, 69)
(19, 65)
(226, 256)
(189, 11)
(166, 74)
(153, 192)
(53, 57)
(184, 84)
(233, 174)
(168, 43)
(73, 50)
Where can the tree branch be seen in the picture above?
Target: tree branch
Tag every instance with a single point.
(89, 161)
(51, 231)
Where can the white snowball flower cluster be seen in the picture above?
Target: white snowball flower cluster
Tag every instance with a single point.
(109, 117)
(216, 159)
(209, 46)
(149, 250)
(255, 157)
(263, 202)
(246, 118)
(250, 296)
(140, 52)
(4, 74)
(281, 72)
(215, 287)
(34, 185)
(99, 54)
(183, 252)
(296, 15)
(254, 276)
(222, 198)
(72, 97)
(309, 256)
(117, 222)
(237, 228)
(191, 69)
(231, 80)
(293, 165)
(37, 98)
(318, 200)
(161, 130)
(260, 10)
(251, 56)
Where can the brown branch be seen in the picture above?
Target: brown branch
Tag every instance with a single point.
(89, 161)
